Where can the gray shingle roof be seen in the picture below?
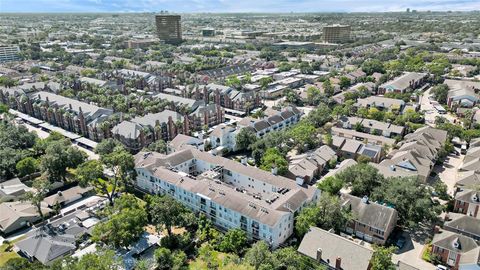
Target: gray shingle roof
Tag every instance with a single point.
(370, 213)
(332, 246)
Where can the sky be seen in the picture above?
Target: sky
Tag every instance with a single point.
(199, 6)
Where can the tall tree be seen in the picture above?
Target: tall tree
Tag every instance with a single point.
(327, 214)
(235, 240)
(258, 254)
(245, 138)
(121, 163)
(382, 258)
(166, 212)
(410, 198)
(41, 186)
(124, 224)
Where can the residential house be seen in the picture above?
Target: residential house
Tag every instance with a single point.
(340, 97)
(463, 224)
(352, 149)
(17, 215)
(371, 126)
(67, 196)
(381, 103)
(417, 153)
(363, 137)
(224, 137)
(70, 114)
(49, 243)
(467, 201)
(307, 166)
(230, 98)
(12, 190)
(462, 93)
(334, 251)
(459, 252)
(371, 222)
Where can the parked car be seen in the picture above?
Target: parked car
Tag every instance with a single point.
(441, 267)
(400, 243)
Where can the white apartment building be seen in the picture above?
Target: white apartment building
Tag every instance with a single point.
(9, 53)
(232, 195)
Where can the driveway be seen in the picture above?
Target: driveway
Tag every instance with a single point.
(447, 172)
(411, 253)
(430, 112)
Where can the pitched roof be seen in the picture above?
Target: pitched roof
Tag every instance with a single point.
(463, 223)
(454, 242)
(13, 211)
(67, 195)
(332, 246)
(370, 213)
(47, 246)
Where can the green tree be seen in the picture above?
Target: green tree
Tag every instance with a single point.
(411, 199)
(320, 116)
(274, 159)
(245, 138)
(258, 254)
(107, 146)
(264, 82)
(166, 212)
(59, 156)
(382, 258)
(331, 184)
(235, 240)
(41, 186)
(303, 135)
(362, 178)
(102, 259)
(327, 213)
(164, 258)
(328, 87)
(440, 92)
(158, 146)
(121, 163)
(27, 166)
(344, 82)
(373, 65)
(289, 258)
(124, 225)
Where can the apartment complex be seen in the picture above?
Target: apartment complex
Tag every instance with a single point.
(336, 33)
(9, 54)
(169, 28)
(70, 114)
(231, 194)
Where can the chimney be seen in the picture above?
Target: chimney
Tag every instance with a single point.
(319, 255)
(436, 229)
(338, 263)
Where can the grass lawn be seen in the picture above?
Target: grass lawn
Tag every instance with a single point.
(7, 255)
(223, 260)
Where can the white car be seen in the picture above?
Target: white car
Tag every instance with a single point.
(441, 267)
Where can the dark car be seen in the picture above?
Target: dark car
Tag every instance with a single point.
(400, 242)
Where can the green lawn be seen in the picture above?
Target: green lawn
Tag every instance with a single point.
(6, 255)
(223, 260)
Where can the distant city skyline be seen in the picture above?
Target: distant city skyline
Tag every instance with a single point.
(220, 6)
